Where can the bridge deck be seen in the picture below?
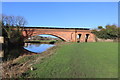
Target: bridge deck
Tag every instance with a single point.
(57, 28)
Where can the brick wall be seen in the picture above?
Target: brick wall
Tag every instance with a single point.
(68, 35)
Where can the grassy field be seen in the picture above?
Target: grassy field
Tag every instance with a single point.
(80, 60)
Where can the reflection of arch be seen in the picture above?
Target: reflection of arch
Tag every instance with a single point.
(63, 39)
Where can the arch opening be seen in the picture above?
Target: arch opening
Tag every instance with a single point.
(51, 36)
(78, 37)
(86, 37)
(46, 37)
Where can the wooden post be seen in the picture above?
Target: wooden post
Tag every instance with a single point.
(1, 42)
(1, 39)
(1, 53)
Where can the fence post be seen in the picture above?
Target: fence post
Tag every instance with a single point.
(1, 50)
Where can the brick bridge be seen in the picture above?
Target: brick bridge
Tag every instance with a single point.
(66, 34)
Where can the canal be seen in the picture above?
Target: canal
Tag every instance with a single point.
(36, 47)
(28, 48)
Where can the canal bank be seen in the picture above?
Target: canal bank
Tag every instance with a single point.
(41, 41)
(69, 60)
(79, 60)
(16, 68)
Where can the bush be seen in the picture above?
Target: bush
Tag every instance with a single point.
(110, 32)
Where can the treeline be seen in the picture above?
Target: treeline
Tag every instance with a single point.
(109, 32)
(11, 30)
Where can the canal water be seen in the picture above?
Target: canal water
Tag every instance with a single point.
(33, 47)
(37, 48)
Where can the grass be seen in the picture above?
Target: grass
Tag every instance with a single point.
(26, 58)
(80, 60)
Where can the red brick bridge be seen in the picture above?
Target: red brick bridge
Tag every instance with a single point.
(66, 34)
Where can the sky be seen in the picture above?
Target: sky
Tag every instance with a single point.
(59, 0)
(64, 14)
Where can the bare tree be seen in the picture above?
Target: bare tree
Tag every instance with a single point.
(20, 21)
(10, 22)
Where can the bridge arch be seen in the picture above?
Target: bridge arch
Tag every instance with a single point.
(66, 34)
(56, 35)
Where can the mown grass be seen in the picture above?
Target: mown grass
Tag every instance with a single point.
(80, 60)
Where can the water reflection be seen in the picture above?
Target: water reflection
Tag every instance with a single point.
(36, 47)
(10, 52)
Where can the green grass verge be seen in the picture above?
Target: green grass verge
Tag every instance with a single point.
(80, 60)
(26, 58)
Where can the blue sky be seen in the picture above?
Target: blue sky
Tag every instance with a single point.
(64, 14)
(60, 0)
